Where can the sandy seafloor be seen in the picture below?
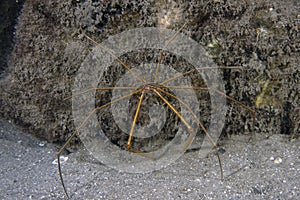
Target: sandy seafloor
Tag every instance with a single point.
(268, 168)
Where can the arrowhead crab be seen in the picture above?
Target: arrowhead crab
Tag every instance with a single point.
(144, 91)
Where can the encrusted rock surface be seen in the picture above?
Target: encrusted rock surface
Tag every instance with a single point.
(261, 36)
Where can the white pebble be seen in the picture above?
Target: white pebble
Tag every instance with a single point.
(63, 159)
(278, 160)
(41, 144)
